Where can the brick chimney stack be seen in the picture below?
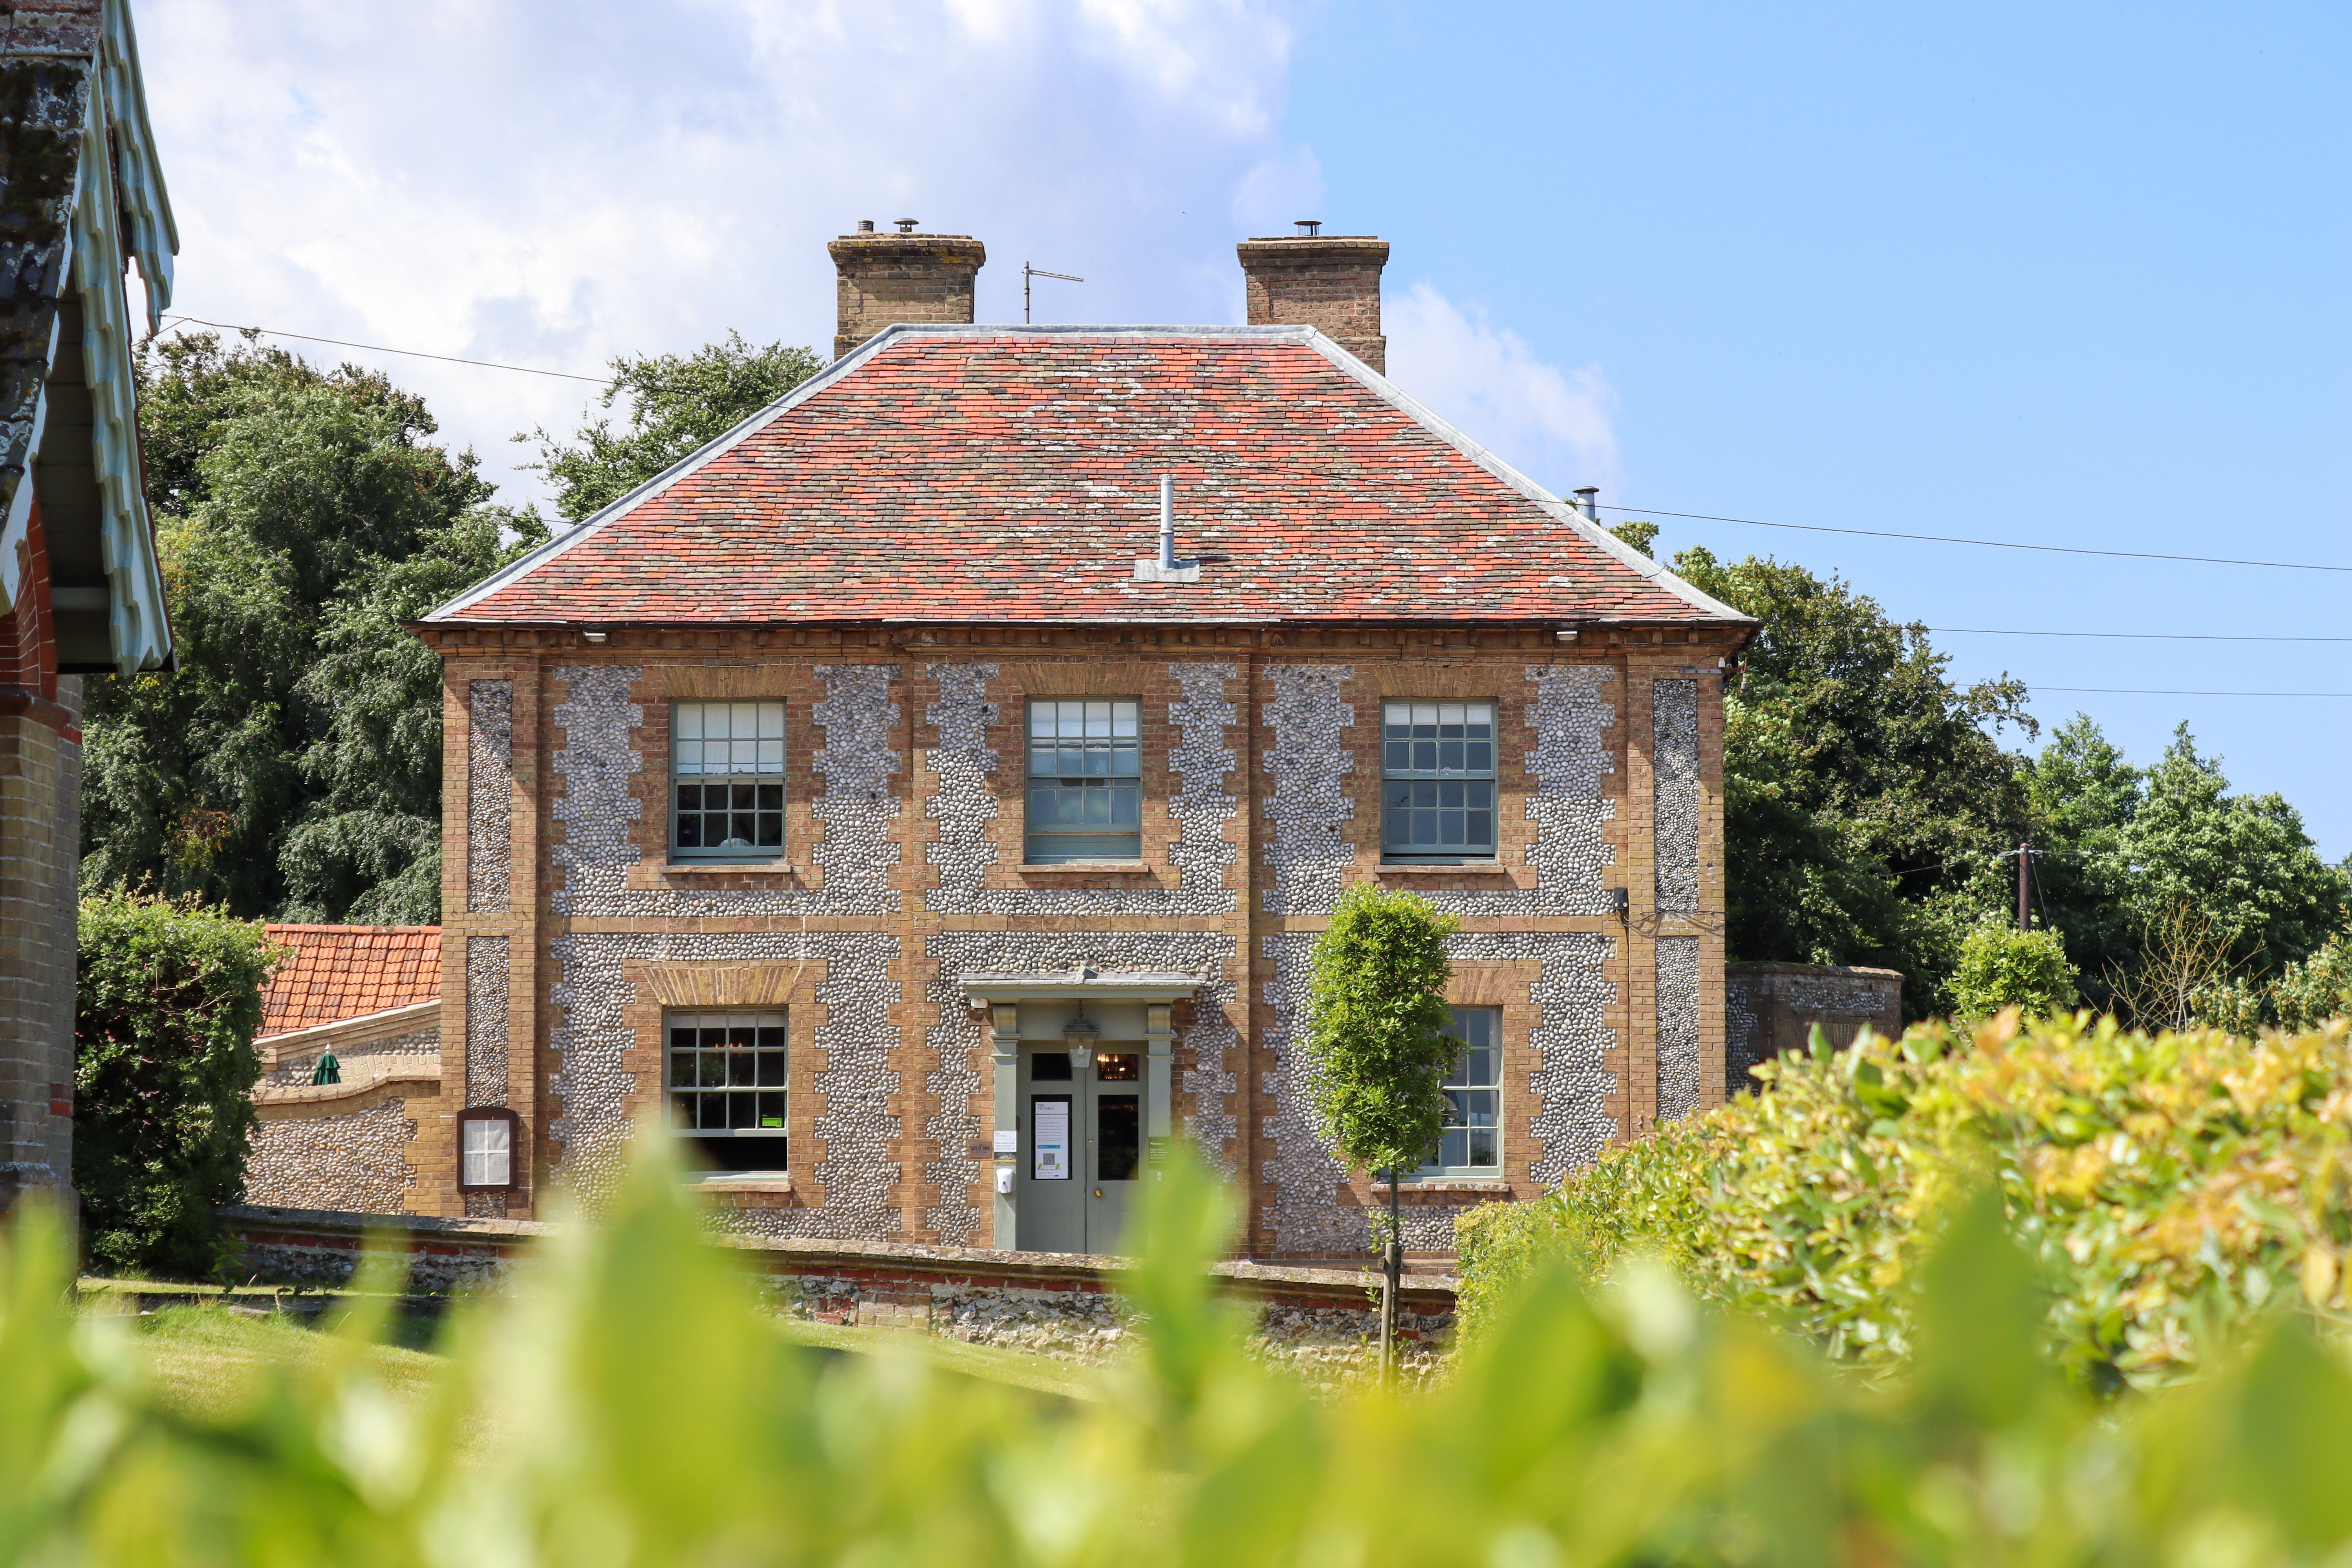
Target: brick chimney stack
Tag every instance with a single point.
(1331, 282)
(904, 277)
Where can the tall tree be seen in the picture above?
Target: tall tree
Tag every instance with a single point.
(1865, 792)
(2082, 794)
(676, 403)
(291, 766)
(2246, 859)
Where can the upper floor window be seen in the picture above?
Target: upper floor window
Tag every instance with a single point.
(725, 1081)
(1471, 1146)
(1085, 781)
(1437, 781)
(727, 780)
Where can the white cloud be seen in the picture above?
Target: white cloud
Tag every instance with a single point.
(1555, 426)
(549, 183)
(1280, 190)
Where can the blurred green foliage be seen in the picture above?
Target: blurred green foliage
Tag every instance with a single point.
(626, 1406)
(2169, 1189)
(168, 1001)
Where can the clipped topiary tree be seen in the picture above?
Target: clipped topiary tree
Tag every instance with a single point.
(170, 1000)
(2001, 966)
(1376, 1032)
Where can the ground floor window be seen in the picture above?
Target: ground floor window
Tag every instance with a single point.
(1471, 1147)
(726, 1080)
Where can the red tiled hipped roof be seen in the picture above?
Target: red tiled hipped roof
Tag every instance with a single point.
(994, 474)
(349, 972)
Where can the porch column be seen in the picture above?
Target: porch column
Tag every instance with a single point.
(1160, 1042)
(1004, 1036)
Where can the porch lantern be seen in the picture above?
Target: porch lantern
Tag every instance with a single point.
(1081, 1034)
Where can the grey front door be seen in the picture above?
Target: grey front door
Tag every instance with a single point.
(1081, 1136)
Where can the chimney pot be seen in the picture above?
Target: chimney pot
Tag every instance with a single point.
(1327, 281)
(1586, 502)
(866, 226)
(906, 224)
(887, 279)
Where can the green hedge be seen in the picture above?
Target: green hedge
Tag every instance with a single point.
(2169, 1186)
(627, 1407)
(169, 999)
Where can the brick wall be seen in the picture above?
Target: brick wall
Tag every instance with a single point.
(40, 852)
(1058, 1304)
(1774, 1008)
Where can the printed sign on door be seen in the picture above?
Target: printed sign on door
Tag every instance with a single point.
(1052, 1139)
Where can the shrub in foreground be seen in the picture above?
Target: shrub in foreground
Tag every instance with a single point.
(2169, 1188)
(627, 1406)
(169, 998)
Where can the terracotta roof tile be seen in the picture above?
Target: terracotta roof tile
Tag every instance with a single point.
(967, 474)
(349, 972)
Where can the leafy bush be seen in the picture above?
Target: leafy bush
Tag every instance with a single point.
(169, 999)
(2300, 996)
(626, 1407)
(2001, 966)
(2170, 1186)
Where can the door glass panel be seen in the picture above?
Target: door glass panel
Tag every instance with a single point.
(1118, 1125)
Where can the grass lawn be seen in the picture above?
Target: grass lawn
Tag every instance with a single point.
(206, 1359)
(1020, 1369)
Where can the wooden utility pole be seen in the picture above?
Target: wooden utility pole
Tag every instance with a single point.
(2024, 860)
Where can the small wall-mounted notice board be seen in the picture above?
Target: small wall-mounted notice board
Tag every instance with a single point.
(1050, 1137)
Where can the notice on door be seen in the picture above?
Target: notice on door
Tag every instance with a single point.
(1050, 1137)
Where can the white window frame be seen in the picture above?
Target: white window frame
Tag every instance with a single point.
(733, 761)
(1434, 779)
(1120, 720)
(487, 1133)
(757, 1091)
(1456, 1084)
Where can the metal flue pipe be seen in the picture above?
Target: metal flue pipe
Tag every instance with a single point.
(1167, 521)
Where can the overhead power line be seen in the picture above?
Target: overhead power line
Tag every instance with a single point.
(379, 347)
(2146, 692)
(2138, 636)
(1645, 511)
(1986, 543)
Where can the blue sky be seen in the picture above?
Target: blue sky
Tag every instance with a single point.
(2062, 274)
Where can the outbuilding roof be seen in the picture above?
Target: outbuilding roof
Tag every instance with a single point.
(339, 973)
(990, 473)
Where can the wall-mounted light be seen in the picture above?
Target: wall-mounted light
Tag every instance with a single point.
(1081, 1035)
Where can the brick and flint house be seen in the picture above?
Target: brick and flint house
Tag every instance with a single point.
(80, 589)
(925, 798)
